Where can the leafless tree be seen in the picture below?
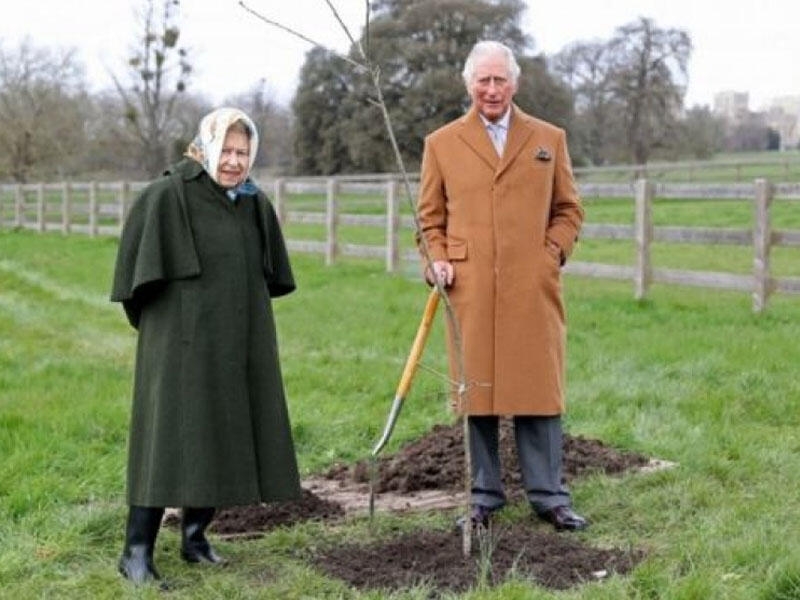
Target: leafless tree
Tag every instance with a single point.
(628, 91)
(586, 68)
(158, 71)
(274, 123)
(648, 78)
(112, 151)
(42, 111)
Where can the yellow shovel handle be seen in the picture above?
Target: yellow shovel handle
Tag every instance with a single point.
(419, 343)
(408, 371)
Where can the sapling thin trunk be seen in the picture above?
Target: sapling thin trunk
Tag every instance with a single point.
(364, 64)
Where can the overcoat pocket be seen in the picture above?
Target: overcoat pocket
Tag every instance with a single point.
(456, 249)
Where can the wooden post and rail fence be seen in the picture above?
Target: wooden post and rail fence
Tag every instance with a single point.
(101, 208)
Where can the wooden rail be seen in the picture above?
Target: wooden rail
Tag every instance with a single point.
(101, 208)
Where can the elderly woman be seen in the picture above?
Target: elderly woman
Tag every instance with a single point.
(200, 258)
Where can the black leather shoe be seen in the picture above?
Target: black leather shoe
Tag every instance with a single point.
(479, 516)
(563, 518)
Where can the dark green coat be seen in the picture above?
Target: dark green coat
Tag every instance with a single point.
(195, 273)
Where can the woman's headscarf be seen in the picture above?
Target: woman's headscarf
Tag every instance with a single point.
(207, 144)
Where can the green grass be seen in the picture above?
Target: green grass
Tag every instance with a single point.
(730, 167)
(784, 214)
(689, 375)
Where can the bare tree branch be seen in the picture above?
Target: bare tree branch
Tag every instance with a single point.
(305, 38)
(344, 27)
(366, 28)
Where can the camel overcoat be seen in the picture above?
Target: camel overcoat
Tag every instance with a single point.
(491, 217)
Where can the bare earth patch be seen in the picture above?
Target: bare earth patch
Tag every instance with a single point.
(250, 520)
(435, 558)
(427, 474)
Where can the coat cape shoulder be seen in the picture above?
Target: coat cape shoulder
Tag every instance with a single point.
(157, 244)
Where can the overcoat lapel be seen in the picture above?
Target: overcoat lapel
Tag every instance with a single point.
(475, 136)
(520, 130)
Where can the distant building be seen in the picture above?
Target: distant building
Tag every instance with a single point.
(783, 115)
(732, 106)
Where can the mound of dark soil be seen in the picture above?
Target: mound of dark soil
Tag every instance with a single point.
(433, 462)
(436, 461)
(269, 516)
(436, 558)
(251, 521)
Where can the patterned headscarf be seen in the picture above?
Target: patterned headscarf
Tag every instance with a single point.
(207, 144)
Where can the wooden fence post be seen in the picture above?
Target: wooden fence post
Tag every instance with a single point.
(762, 242)
(331, 221)
(122, 202)
(19, 202)
(93, 209)
(41, 227)
(280, 200)
(643, 234)
(65, 208)
(392, 226)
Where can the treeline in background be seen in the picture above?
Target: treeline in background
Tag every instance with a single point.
(621, 99)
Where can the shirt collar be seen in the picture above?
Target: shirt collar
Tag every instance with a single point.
(501, 122)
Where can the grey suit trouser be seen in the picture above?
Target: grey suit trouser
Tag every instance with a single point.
(539, 449)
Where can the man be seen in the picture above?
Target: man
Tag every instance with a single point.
(200, 257)
(500, 213)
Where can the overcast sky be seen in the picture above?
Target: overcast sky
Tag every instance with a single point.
(742, 45)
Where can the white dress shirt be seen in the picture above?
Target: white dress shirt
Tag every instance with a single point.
(498, 131)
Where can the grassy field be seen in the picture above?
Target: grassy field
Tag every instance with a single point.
(733, 166)
(689, 375)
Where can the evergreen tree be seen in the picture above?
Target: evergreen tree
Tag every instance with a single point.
(420, 47)
(325, 82)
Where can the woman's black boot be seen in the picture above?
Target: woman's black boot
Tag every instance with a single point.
(194, 545)
(136, 562)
